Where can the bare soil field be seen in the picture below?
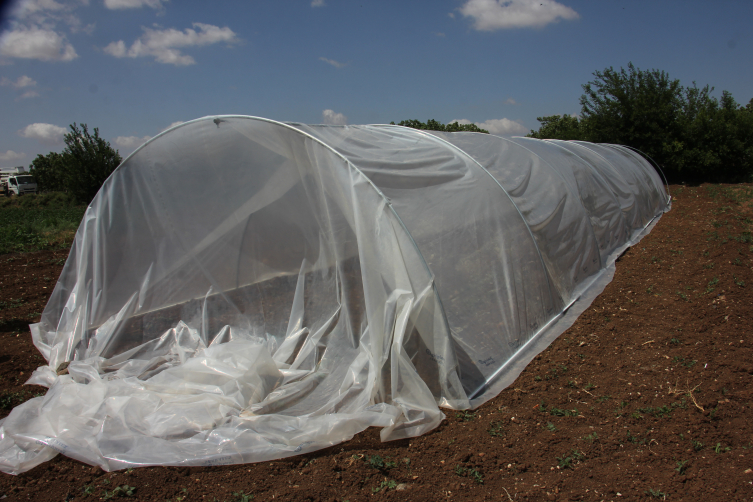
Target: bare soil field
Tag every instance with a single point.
(647, 397)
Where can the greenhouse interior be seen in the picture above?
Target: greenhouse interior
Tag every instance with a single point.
(242, 289)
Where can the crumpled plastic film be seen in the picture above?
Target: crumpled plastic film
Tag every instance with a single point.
(243, 290)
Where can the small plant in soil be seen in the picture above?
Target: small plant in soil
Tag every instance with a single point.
(242, 497)
(465, 416)
(387, 484)
(378, 462)
(474, 474)
(634, 439)
(496, 429)
(697, 445)
(591, 437)
(88, 490)
(656, 494)
(721, 449)
(712, 285)
(675, 341)
(567, 462)
(682, 466)
(559, 412)
(120, 491)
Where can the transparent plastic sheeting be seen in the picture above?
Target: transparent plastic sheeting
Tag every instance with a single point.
(242, 290)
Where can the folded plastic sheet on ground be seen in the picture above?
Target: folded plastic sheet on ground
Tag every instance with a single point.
(242, 290)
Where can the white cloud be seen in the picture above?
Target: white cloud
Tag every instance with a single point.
(510, 101)
(490, 15)
(22, 82)
(132, 4)
(334, 63)
(47, 134)
(317, 3)
(29, 94)
(130, 143)
(332, 118)
(27, 8)
(36, 43)
(11, 156)
(164, 45)
(500, 127)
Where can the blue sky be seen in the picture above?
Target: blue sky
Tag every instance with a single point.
(134, 67)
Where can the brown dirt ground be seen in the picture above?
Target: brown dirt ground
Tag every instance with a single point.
(646, 397)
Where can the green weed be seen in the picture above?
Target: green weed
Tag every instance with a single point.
(465, 415)
(591, 437)
(242, 497)
(474, 474)
(377, 462)
(656, 493)
(721, 449)
(496, 429)
(388, 484)
(567, 462)
(711, 285)
(682, 466)
(120, 491)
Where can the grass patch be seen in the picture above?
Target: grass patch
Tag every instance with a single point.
(35, 222)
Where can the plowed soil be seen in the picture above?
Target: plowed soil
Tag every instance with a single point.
(647, 397)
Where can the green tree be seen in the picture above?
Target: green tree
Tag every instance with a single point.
(636, 108)
(717, 138)
(435, 125)
(565, 127)
(691, 134)
(48, 171)
(88, 161)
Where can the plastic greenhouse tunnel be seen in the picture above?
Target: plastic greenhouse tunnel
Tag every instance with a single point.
(242, 289)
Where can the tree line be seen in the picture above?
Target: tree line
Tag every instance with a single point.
(435, 125)
(80, 169)
(692, 135)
